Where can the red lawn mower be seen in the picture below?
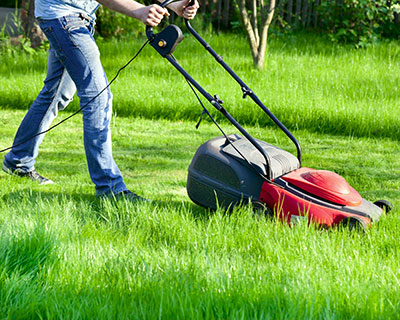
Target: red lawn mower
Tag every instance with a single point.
(236, 169)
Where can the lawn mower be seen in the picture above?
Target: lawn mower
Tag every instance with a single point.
(235, 169)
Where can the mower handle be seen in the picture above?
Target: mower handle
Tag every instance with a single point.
(149, 29)
(245, 89)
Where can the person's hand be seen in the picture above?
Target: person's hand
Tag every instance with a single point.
(183, 10)
(151, 15)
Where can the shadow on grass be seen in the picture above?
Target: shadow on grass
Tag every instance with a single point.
(338, 125)
(34, 196)
(95, 205)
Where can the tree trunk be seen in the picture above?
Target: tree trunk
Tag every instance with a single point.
(249, 29)
(264, 34)
(254, 21)
(257, 30)
(31, 28)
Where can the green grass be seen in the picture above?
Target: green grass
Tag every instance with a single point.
(332, 89)
(64, 254)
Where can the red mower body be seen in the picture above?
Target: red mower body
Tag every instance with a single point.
(321, 196)
(220, 177)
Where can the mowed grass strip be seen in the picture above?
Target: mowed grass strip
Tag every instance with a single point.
(64, 254)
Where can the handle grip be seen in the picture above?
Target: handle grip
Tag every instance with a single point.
(149, 29)
(166, 2)
(189, 5)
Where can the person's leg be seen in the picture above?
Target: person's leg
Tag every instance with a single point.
(72, 39)
(57, 92)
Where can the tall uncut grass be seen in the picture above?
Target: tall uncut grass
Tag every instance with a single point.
(66, 255)
(308, 82)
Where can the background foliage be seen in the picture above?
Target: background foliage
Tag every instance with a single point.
(113, 24)
(359, 22)
(348, 21)
(10, 3)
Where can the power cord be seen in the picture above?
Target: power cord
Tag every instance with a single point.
(205, 111)
(83, 107)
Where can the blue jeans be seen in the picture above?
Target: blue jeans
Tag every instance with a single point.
(73, 65)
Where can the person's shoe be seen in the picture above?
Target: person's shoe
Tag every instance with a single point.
(130, 196)
(33, 175)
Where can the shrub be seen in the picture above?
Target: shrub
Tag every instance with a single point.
(113, 24)
(359, 21)
(11, 4)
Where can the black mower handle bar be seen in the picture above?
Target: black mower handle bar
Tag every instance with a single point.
(245, 89)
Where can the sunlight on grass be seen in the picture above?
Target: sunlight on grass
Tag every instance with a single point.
(84, 258)
(66, 254)
(308, 82)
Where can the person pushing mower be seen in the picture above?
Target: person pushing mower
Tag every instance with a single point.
(74, 66)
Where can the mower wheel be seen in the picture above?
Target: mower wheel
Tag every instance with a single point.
(384, 204)
(353, 223)
(261, 209)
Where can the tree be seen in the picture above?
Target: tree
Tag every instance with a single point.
(256, 17)
(31, 28)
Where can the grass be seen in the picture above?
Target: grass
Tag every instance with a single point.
(333, 89)
(64, 254)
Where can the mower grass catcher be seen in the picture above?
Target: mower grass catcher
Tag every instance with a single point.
(237, 169)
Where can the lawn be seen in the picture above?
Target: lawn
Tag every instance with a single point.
(332, 89)
(65, 254)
